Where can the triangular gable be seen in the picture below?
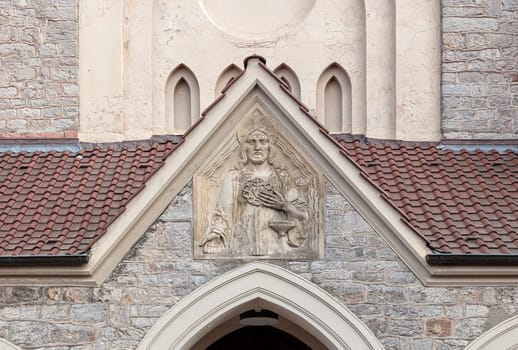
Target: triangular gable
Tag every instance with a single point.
(257, 85)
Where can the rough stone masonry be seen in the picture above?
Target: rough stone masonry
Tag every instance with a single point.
(39, 94)
(480, 69)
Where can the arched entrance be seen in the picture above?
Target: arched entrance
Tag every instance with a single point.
(503, 336)
(305, 311)
(258, 338)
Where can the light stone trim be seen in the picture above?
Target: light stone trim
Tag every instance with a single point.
(256, 85)
(5, 345)
(381, 69)
(503, 336)
(286, 73)
(232, 71)
(266, 286)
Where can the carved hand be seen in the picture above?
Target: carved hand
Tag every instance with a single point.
(211, 243)
(272, 200)
(276, 201)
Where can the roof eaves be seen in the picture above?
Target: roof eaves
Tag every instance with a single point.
(472, 259)
(46, 260)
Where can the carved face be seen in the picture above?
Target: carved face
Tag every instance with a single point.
(257, 147)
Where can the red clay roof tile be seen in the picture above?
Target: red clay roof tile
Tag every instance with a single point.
(60, 203)
(458, 201)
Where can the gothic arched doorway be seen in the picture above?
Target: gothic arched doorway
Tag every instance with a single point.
(258, 338)
(215, 309)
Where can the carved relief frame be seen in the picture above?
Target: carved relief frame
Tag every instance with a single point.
(270, 207)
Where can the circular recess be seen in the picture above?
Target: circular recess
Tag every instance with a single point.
(254, 20)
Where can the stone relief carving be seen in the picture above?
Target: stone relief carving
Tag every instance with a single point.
(258, 197)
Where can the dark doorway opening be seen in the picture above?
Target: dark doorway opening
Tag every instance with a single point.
(258, 338)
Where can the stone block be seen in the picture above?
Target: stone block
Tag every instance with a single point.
(88, 313)
(481, 65)
(20, 312)
(59, 312)
(469, 328)
(406, 328)
(438, 327)
(17, 295)
(401, 277)
(75, 295)
(71, 89)
(368, 276)
(500, 40)
(71, 333)
(29, 35)
(510, 4)
(61, 30)
(443, 296)
(8, 113)
(180, 208)
(355, 223)
(422, 344)
(48, 12)
(64, 123)
(476, 310)
(478, 40)
(469, 24)
(350, 292)
(118, 316)
(51, 112)
(456, 89)
(499, 101)
(453, 40)
(69, 13)
(468, 55)
(29, 113)
(471, 77)
(29, 333)
(47, 49)
(385, 294)
(64, 73)
(490, 54)
(8, 92)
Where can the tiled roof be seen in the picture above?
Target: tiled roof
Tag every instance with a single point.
(60, 203)
(460, 202)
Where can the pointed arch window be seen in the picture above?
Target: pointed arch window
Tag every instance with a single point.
(290, 78)
(334, 101)
(182, 96)
(229, 73)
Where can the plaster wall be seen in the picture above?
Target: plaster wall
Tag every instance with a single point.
(357, 268)
(308, 36)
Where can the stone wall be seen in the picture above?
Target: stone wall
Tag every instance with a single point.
(480, 69)
(358, 268)
(38, 68)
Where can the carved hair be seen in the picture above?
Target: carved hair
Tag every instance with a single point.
(257, 122)
(243, 157)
